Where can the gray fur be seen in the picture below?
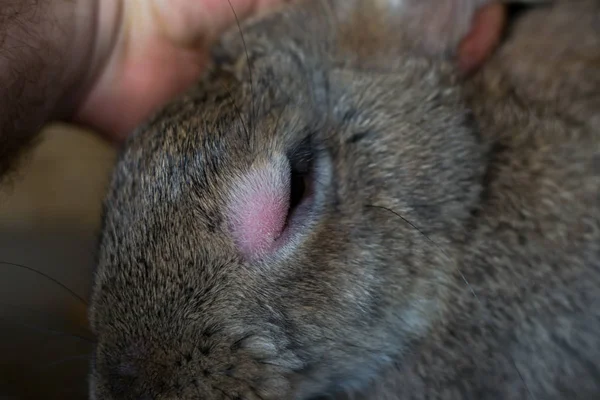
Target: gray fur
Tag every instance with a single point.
(455, 253)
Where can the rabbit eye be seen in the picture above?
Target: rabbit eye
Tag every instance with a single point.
(301, 162)
(299, 189)
(271, 203)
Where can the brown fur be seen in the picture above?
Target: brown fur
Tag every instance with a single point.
(455, 249)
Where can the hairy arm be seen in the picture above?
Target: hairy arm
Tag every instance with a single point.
(47, 50)
(104, 63)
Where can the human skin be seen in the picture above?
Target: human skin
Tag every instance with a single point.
(105, 64)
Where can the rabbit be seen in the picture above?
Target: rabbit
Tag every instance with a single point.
(339, 210)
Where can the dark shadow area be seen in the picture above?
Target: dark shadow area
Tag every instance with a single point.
(49, 223)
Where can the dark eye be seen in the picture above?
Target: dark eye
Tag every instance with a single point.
(302, 173)
(299, 186)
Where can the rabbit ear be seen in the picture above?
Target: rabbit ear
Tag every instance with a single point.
(482, 37)
(465, 30)
(468, 30)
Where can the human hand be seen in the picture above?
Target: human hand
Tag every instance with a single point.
(148, 51)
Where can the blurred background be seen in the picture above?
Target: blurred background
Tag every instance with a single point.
(49, 221)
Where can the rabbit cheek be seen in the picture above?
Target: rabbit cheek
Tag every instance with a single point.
(258, 209)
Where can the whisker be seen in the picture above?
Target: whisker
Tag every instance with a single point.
(55, 281)
(239, 113)
(431, 241)
(252, 112)
(48, 331)
(530, 394)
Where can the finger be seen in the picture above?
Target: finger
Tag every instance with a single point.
(193, 23)
(133, 89)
